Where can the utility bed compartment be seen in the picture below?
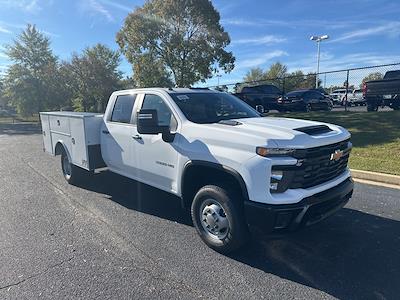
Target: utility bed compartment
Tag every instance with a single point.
(78, 132)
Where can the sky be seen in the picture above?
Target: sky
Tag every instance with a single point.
(362, 32)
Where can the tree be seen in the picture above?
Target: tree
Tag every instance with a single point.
(254, 75)
(371, 76)
(3, 99)
(276, 70)
(127, 83)
(148, 71)
(182, 37)
(28, 80)
(93, 76)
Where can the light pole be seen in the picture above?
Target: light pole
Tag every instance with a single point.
(218, 77)
(318, 39)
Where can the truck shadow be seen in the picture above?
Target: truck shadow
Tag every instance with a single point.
(351, 255)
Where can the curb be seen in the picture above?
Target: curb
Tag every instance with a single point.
(376, 177)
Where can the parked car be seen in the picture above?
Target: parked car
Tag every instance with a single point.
(356, 98)
(384, 92)
(265, 95)
(305, 100)
(338, 96)
(232, 167)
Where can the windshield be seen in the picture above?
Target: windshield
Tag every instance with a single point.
(205, 108)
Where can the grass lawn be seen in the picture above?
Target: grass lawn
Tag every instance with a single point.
(375, 137)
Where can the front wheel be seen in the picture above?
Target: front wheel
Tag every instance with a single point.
(72, 174)
(372, 107)
(218, 218)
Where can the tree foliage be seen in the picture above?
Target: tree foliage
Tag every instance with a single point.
(182, 39)
(91, 77)
(28, 81)
(372, 76)
(278, 75)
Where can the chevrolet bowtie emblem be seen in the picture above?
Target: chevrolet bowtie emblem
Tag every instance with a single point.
(336, 155)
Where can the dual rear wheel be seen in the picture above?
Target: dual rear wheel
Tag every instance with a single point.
(72, 174)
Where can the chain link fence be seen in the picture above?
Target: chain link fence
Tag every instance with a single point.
(344, 87)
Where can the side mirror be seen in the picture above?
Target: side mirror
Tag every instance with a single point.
(147, 123)
(260, 109)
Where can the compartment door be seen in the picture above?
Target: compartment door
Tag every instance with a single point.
(47, 144)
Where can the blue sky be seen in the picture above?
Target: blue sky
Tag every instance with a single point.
(362, 32)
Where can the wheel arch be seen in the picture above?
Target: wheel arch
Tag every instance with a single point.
(192, 178)
(60, 145)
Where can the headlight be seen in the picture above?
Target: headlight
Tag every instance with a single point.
(267, 152)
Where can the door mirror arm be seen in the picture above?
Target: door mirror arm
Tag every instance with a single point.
(166, 134)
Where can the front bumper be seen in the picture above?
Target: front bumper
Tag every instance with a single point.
(270, 217)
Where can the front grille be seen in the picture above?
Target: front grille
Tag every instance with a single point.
(316, 165)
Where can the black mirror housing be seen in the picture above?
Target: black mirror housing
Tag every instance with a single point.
(147, 122)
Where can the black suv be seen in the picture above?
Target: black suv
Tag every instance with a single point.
(266, 95)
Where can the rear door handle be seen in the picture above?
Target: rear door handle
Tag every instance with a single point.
(106, 132)
(136, 137)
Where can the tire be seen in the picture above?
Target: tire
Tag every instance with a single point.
(371, 107)
(217, 206)
(328, 107)
(72, 174)
(308, 107)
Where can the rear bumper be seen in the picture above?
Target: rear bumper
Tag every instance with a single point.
(311, 210)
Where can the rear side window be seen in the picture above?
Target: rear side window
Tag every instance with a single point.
(123, 106)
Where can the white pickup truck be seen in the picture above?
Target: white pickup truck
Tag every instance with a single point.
(234, 168)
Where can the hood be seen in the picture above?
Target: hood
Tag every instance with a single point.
(277, 132)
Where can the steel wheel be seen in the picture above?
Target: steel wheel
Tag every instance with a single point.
(213, 219)
(66, 166)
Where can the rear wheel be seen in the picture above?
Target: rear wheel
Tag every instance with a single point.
(72, 174)
(218, 218)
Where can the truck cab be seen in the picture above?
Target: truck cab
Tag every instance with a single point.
(233, 168)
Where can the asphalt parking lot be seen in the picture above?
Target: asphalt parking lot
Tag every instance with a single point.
(115, 238)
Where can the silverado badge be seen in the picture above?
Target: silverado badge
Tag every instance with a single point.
(336, 155)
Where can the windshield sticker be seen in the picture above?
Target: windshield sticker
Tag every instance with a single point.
(182, 97)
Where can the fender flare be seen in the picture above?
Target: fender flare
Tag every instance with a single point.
(62, 144)
(217, 166)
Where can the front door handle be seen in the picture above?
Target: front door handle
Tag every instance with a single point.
(136, 137)
(105, 132)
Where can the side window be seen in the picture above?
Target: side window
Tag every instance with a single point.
(165, 117)
(123, 106)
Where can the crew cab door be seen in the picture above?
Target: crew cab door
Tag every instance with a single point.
(117, 145)
(157, 160)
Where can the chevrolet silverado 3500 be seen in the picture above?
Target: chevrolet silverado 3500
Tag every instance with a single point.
(234, 168)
